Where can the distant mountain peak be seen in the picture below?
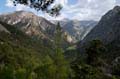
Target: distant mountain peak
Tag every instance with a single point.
(22, 11)
(22, 14)
(77, 29)
(25, 13)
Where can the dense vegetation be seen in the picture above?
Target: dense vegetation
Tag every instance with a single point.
(24, 57)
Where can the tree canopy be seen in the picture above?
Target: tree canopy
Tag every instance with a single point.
(41, 5)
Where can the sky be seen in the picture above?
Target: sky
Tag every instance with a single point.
(72, 9)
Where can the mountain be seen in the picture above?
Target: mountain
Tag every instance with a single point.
(77, 29)
(107, 31)
(33, 25)
(21, 55)
(24, 57)
(17, 39)
(29, 23)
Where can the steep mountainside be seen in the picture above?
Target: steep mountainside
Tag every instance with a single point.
(108, 31)
(77, 29)
(33, 25)
(29, 23)
(16, 37)
(24, 57)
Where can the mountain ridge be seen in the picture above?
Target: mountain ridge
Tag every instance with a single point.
(29, 23)
(76, 28)
(107, 30)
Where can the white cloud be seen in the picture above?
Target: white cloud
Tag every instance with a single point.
(87, 9)
(82, 10)
(9, 3)
(21, 7)
(18, 7)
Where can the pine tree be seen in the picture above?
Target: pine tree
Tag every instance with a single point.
(58, 36)
(59, 60)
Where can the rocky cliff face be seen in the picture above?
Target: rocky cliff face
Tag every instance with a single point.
(29, 23)
(33, 25)
(107, 30)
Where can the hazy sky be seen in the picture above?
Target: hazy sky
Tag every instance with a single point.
(72, 9)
